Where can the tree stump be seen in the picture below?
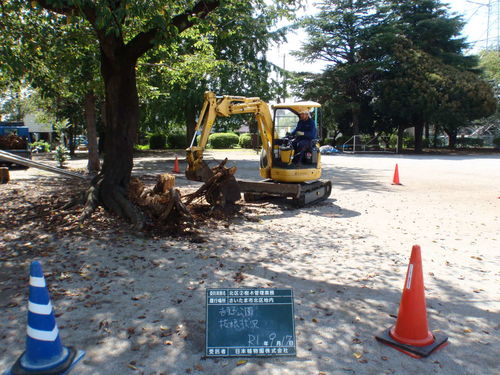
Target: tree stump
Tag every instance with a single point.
(162, 203)
(4, 175)
(165, 182)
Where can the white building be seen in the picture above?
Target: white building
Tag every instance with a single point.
(38, 130)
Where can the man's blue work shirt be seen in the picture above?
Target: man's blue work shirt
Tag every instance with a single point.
(308, 127)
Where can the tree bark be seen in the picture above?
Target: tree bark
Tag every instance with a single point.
(419, 128)
(355, 122)
(122, 119)
(452, 138)
(435, 137)
(401, 132)
(71, 139)
(93, 165)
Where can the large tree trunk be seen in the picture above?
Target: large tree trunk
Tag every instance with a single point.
(419, 128)
(452, 138)
(355, 122)
(71, 139)
(93, 165)
(401, 133)
(435, 137)
(110, 187)
(122, 119)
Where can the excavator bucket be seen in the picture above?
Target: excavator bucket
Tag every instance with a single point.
(199, 171)
(220, 185)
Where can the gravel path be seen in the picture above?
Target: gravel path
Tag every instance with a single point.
(136, 304)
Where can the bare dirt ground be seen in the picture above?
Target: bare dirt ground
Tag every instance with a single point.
(136, 302)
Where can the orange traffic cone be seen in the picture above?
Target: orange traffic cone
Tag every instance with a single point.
(395, 180)
(176, 166)
(411, 333)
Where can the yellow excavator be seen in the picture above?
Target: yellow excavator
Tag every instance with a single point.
(282, 177)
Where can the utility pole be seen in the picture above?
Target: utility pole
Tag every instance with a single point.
(498, 25)
(491, 23)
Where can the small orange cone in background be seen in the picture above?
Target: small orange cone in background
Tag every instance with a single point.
(176, 165)
(395, 180)
(411, 333)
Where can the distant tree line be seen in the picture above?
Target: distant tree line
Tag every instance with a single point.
(393, 65)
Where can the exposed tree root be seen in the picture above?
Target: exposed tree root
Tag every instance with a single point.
(161, 206)
(220, 189)
(113, 198)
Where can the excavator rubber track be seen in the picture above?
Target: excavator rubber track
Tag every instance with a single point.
(301, 194)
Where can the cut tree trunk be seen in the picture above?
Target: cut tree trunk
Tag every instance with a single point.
(4, 175)
(163, 203)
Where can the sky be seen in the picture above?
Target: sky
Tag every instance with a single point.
(476, 31)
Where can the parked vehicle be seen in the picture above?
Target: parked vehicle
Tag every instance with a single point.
(15, 139)
(328, 150)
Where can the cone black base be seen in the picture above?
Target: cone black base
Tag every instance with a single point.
(440, 341)
(60, 369)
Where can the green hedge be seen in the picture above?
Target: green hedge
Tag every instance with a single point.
(470, 142)
(223, 140)
(158, 142)
(177, 140)
(496, 142)
(44, 146)
(245, 140)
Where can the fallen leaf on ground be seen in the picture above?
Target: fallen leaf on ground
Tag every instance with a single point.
(131, 366)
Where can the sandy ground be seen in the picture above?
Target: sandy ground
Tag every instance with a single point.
(136, 305)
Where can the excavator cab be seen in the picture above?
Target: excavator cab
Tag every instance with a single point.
(288, 164)
(285, 145)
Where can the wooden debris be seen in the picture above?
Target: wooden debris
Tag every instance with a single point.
(162, 203)
(220, 189)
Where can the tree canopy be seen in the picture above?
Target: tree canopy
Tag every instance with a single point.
(181, 36)
(394, 64)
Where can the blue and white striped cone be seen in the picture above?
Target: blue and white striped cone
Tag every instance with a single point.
(45, 354)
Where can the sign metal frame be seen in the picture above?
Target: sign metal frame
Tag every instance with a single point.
(238, 310)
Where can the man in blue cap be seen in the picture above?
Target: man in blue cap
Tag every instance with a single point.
(304, 133)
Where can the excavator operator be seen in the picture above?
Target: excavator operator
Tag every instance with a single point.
(303, 134)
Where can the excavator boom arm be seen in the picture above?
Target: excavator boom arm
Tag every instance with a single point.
(225, 106)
